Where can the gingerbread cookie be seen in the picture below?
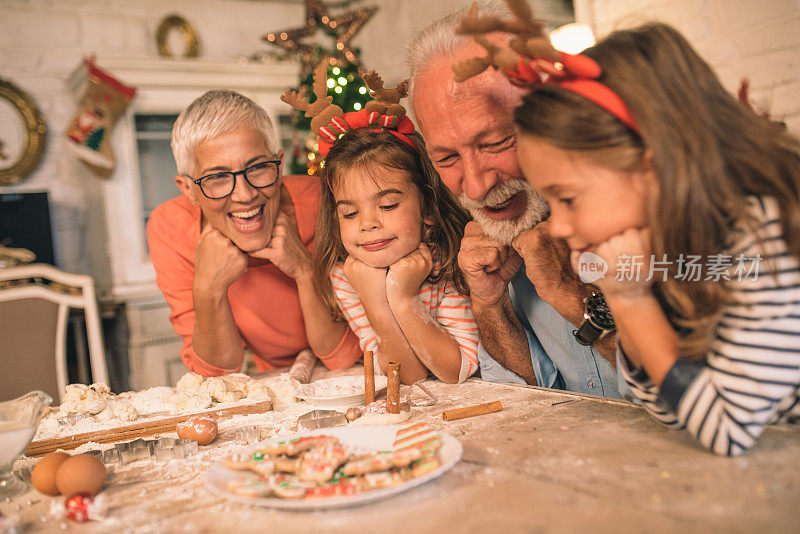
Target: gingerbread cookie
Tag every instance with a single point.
(250, 487)
(293, 447)
(380, 461)
(289, 486)
(320, 463)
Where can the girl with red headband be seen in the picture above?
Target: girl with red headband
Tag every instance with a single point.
(692, 201)
(386, 244)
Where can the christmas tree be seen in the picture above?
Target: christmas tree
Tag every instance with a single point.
(344, 83)
(348, 92)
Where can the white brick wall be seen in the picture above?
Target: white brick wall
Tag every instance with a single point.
(42, 41)
(759, 39)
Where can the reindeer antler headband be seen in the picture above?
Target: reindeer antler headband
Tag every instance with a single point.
(330, 122)
(530, 60)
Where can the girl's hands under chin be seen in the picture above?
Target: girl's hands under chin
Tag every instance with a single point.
(628, 258)
(407, 274)
(369, 282)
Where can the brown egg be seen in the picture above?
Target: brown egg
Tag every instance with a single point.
(43, 476)
(203, 430)
(83, 473)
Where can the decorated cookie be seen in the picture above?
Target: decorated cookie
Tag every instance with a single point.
(425, 465)
(294, 447)
(262, 465)
(381, 461)
(319, 463)
(417, 436)
(289, 486)
(344, 487)
(250, 487)
(385, 479)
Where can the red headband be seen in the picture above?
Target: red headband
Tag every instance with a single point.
(361, 119)
(576, 73)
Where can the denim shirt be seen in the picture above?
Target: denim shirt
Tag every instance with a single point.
(559, 361)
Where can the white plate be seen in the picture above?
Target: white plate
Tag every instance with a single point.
(365, 438)
(339, 391)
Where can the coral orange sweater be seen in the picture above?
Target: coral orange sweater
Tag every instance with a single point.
(264, 301)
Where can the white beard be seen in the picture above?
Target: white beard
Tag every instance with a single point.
(504, 231)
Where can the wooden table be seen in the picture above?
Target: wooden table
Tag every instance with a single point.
(551, 461)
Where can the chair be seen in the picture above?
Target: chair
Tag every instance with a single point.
(34, 302)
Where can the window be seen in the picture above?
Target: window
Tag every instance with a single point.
(156, 165)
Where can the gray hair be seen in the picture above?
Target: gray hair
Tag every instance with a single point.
(439, 39)
(216, 113)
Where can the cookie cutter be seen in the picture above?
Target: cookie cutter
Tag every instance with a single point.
(72, 418)
(430, 401)
(321, 419)
(244, 435)
(161, 449)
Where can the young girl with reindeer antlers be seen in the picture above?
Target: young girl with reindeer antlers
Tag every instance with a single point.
(692, 201)
(387, 238)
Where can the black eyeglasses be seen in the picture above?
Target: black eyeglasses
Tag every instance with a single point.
(221, 184)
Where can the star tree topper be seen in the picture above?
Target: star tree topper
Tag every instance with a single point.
(344, 27)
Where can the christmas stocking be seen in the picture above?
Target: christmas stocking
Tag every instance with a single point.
(102, 104)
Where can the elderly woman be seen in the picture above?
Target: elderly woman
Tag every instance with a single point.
(232, 253)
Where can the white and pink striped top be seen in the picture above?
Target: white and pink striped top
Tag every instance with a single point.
(449, 308)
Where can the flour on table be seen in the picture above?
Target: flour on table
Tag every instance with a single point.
(100, 409)
(341, 386)
(375, 413)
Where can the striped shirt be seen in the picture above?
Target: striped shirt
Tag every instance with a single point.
(751, 373)
(445, 305)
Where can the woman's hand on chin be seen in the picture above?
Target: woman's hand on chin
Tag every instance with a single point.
(628, 256)
(218, 262)
(286, 250)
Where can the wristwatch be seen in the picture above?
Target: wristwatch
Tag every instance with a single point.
(597, 320)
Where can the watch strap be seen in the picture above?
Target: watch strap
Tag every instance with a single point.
(588, 333)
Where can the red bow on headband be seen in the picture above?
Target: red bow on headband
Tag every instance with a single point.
(362, 119)
(576, 73)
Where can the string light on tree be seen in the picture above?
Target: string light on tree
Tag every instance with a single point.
(343, 81)
(342, 28)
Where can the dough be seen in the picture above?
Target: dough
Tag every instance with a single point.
(80, 399)
(375, 414)
(184, 402)
(189, 383)
(257, 390)
(382, 418)
(227, 388)
(224, 389)
(151, 400)
(118, 411)
(282, 391)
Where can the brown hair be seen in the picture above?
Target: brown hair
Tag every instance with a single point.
(363, 147)
(708, 150)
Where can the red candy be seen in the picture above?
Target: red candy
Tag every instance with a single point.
(77, 507)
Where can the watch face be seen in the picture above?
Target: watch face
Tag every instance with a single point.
(597, 309)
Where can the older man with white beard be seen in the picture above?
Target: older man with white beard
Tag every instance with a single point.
(470, 137)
